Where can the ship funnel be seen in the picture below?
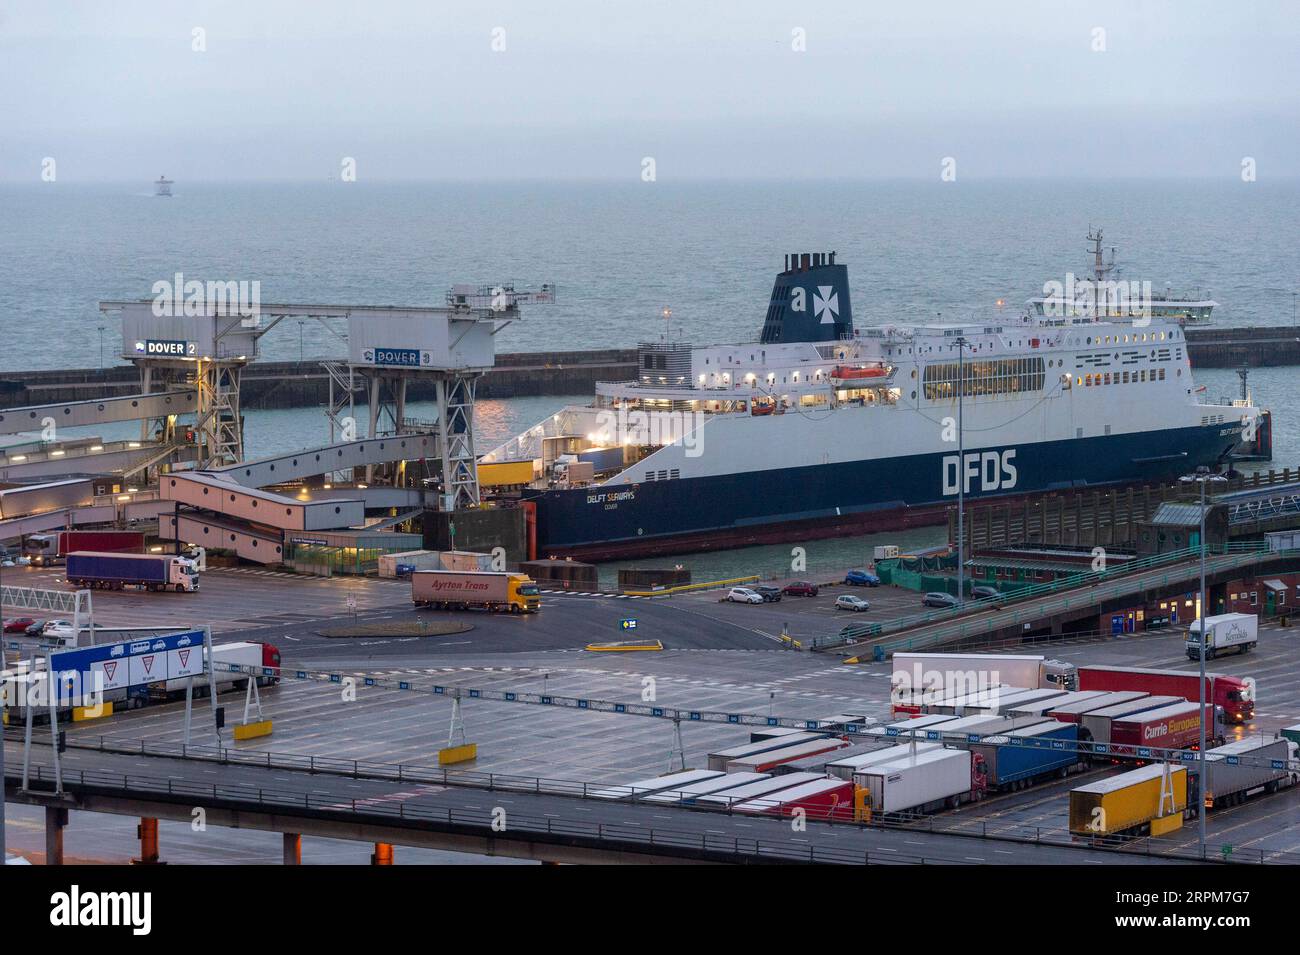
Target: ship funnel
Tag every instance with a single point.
(810, 301)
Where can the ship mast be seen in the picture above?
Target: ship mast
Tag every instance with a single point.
(1100, 268)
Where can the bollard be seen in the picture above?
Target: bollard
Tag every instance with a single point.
(383, 854)
(56, 818)
(147, 832)
(292, 848)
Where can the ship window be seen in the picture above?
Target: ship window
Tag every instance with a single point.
(1162, 374)
(983, 377)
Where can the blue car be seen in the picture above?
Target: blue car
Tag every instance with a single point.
(860, 578)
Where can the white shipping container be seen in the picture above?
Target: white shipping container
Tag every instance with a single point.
(758, 789)
(645, 787)
(846, 768)
(917, 783)
(716, 784)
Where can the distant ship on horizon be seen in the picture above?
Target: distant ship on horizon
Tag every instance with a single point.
(163, 187)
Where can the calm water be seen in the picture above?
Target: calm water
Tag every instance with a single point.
(619, 254)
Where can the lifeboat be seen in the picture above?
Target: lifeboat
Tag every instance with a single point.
(849, 373)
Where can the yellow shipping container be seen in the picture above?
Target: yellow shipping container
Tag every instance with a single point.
(1126, 802)
(505, 473)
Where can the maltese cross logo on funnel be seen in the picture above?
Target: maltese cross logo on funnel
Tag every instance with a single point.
(826, 304)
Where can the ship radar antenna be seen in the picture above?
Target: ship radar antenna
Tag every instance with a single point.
(1100, 267)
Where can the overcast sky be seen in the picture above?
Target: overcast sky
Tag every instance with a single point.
(414, 89)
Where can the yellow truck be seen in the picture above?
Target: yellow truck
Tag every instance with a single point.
(474, 590)
(1140, 802)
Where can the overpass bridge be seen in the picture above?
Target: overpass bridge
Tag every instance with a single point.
(1052, 605)
(541, 825)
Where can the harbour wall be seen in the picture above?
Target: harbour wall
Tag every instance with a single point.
(289, 384)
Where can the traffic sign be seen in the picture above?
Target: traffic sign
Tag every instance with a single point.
(628, 624)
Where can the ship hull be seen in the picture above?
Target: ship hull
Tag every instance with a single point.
(841, 499)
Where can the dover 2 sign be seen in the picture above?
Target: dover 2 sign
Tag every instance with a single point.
(127, 666)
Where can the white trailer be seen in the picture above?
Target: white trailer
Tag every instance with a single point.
(1238, 770)
(944, 674)
(718, 761)
(692, 791)
(758, 789)
(906, 728)
(1228, 633)
(645, 787)
(1052, 703)
(979, 701)
(1094, 725)
(242, 654)
(847, 766)
(959, 731)
(929, 780)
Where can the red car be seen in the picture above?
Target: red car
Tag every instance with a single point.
(18, 624)
(800, 588)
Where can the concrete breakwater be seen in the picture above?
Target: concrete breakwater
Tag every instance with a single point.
(1260, 347)
(289, 384)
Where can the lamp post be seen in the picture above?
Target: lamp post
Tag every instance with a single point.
(101, 347)
(1201, 477)
(961, 475)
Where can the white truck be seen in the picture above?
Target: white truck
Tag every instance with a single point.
(1228, 633)
(940, 675)
(923, 781)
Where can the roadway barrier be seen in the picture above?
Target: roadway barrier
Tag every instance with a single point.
(687, 588)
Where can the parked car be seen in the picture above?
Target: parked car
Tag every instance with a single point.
(984, 592)
(743, 595)
(58, 630)
(7, 563)
(939, 599)
(860, 578)
(800, 588)
(850, 602)
(18, 624)
(769, 594)
(403, 571)
(35, 629)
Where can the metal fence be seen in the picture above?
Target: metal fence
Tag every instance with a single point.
(609, 836)
(990, 829)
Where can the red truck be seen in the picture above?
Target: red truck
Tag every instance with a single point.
(1177, 726)
(821, 799)
(1235, 695)
(46, 549)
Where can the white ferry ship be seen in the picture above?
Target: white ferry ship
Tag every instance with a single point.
(817, 429)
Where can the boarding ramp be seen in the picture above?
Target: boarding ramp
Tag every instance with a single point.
(256, 544)
(123, 458)
(57, 521)
(213, 492)
(295, 466)
(88, 414)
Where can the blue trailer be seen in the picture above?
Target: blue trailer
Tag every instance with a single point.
(1022, 756)
(106, 571)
